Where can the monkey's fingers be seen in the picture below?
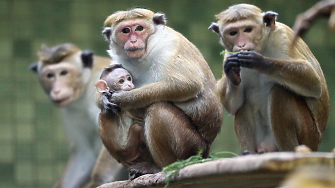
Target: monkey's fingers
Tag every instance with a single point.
(232, 70)
(229, 65)
(112, 108)
(249, 59)
(234, 76)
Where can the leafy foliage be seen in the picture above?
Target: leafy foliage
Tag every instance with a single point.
(174, 168)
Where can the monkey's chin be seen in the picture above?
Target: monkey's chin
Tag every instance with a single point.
(62, 102)
(135, 54)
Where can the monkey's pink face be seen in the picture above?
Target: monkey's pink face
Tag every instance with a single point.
(241, 35)
(121, 80)
(133, 35)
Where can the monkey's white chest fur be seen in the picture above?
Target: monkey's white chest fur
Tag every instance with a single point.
(257, 102)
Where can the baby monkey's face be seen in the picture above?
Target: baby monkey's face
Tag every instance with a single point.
(120, 79)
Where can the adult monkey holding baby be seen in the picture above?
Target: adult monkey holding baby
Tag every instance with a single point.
(165, 67)
(278, 95)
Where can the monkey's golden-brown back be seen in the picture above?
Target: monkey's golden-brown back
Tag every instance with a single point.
(318, 106)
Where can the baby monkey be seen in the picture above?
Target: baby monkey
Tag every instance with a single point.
(121, 131)
(114, 78)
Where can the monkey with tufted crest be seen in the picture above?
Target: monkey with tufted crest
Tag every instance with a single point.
(173, 83)
(278, 95)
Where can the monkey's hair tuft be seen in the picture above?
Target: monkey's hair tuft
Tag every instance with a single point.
(52, 55)
(239, 12)
(119, 16)
(109, 69)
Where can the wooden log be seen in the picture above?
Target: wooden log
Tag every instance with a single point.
(259, 171)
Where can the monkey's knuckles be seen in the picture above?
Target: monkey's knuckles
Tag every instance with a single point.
(250, 59)
(229, 65)
(121, 98)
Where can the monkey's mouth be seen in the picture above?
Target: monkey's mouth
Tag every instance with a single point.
(135, 53)
(134, 49)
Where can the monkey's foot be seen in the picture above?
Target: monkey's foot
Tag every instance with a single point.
(143, 168)
(245, 152)
(133, 174)
(261, 151)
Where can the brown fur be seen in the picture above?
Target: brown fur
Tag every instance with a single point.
(183, 114)
(290, 81)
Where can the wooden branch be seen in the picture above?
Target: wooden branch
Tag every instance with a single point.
(266, 170)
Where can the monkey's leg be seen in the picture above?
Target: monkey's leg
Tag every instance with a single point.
(107, 169)
(292, 121)
(170, 135)
(245, 129)
(78, 170)
(135, 143)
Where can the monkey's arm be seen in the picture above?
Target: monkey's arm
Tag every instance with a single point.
(305, 20)
(229, 88)
(103, 102)
(177, 88)
(298, 75)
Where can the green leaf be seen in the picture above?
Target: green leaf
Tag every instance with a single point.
(226, 52)
(174, 168)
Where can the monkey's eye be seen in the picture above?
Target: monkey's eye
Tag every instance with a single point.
(232, 33)
(126, 30)
(63, 73)
(129, 78)
(139, 28)
(121, 81)
(50, 75)
(248, 29)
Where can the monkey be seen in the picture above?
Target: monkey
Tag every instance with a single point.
(67, 75)
(278, 96)
(122, 131)
(173, 83)
(304, 21)
(114, 78)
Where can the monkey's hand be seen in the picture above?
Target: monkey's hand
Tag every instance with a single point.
(250, 59)
(108, 106)
(232, 69)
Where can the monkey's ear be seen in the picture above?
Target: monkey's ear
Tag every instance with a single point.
(101, 86)
(159, 19)
(107, 32)
(269, 18)
(214, 27)
(87, 58)
(33, 67)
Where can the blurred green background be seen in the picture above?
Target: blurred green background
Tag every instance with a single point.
(33, 148)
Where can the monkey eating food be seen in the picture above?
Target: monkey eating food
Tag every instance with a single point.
(278, 95)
